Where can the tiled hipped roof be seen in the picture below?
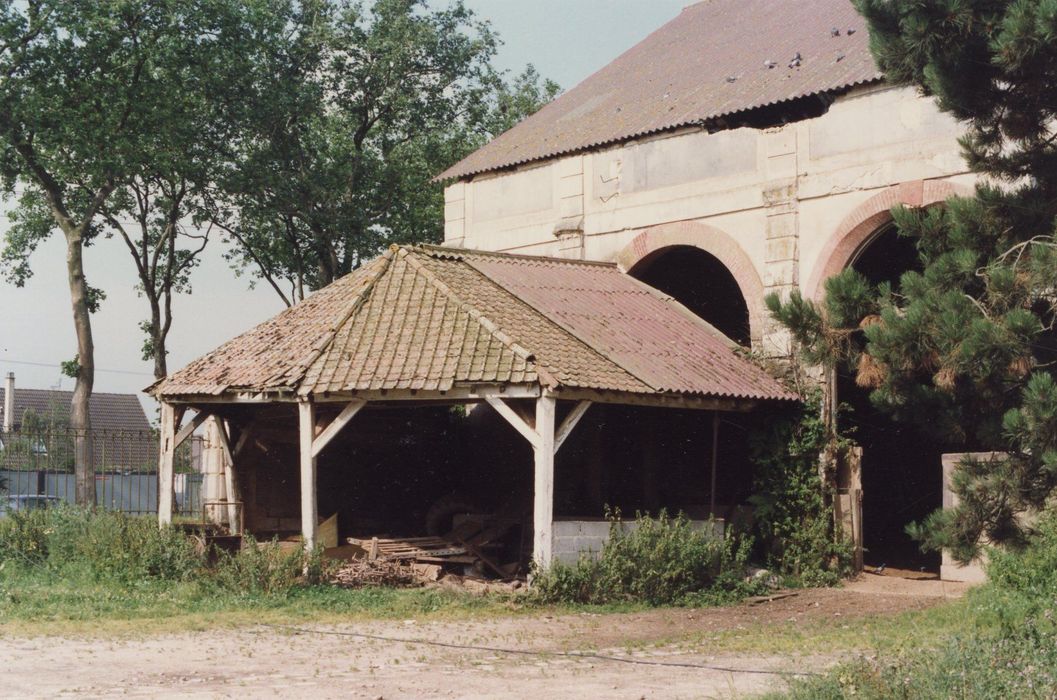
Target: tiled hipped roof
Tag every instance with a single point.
(429, 318)
(715, 59)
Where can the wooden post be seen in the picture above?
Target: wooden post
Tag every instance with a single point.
(309, 505)
(543, 503)
(231, 481)
(715, 458)
(167, 445)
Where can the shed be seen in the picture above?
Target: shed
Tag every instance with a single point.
(536, 338)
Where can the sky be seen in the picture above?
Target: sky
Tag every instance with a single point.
(566, 40)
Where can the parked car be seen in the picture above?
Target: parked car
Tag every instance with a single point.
(25, 501)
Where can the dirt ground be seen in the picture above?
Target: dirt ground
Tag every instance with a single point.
(655, 654)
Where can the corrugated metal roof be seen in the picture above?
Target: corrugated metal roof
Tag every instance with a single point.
(429, 318)
(709, 62)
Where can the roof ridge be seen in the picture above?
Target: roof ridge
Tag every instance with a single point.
(446, 251)
(408, 254)
(317, 350)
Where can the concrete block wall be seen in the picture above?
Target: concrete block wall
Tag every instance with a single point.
(571, 538)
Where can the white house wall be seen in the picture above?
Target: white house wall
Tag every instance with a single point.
(780, 193)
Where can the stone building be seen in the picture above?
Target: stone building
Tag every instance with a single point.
(743, 148)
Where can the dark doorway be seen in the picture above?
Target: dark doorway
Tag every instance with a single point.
(701, 283)
(902, 478)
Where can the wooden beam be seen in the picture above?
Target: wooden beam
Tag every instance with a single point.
(514, 419)
(331, 431)
(569, 423)
(187, 430)
(306, 413)
(456, 394)
(715, 460)
(231, 482)
(244, 438)
(167, 445)
(543, 492)
(658, 400)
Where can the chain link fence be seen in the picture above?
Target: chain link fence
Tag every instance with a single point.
(39, 462)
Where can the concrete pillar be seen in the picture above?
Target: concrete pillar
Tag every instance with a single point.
(214, 467)
(543, 499)
(309, 502)
(455, 214)
(782, 255)
(9, 403)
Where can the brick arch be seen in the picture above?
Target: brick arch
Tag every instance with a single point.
(859, 227)
(716, 243)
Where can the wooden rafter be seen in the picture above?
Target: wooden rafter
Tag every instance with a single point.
(569, 423)
(336, 425)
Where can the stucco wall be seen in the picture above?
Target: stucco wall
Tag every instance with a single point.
(784, 195)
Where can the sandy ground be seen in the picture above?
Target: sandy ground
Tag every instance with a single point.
(650, 656)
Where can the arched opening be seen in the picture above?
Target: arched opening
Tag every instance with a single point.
(901, 472)
(702, 283)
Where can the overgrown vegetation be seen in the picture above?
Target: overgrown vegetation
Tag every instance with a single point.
(793, 495)
(657, 561)
(966, 346)
(1009, 649)
(99, 546)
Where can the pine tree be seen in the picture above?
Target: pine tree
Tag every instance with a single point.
(966, 345)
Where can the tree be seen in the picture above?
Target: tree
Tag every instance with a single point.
(966, 345)
(87, 102)
(357, 109)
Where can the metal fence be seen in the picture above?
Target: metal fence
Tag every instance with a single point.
(40, 462)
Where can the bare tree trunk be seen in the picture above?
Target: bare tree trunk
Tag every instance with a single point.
(80, 418)
(157, 337)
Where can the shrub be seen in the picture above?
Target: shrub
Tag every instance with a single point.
(98, 544)
(661, 561)
(793, 511)
(266, 568)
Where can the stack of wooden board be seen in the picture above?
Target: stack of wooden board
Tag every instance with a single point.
(432, 550)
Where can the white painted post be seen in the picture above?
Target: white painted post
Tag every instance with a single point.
(167, 445)
(543, 503)
(309, 506)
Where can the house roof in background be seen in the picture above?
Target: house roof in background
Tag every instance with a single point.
(430, 318)
(109, 412)
(710, 61)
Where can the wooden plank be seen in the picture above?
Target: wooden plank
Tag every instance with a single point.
(165, 464)
(187, 430)
(309, 505)
(569, 423)
(231, 482)
(514, 419)
(336, 425)
(328, 532)
(543, 492)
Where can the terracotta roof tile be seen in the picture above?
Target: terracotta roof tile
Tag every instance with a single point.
(430, 318)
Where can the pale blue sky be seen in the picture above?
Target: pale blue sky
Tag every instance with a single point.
(566, 40)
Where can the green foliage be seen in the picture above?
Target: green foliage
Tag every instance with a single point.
(266, 568)
(97, 545)
(112, 547)
(1017, 659)
(965, 344)
(661, 561)
(356, 108)
(792, 496)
